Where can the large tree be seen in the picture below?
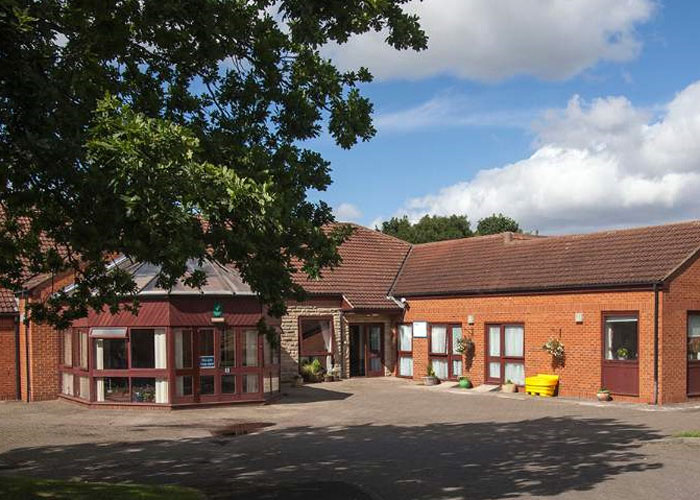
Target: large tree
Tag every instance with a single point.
(428, 228)
(497, 223)
(169, 130)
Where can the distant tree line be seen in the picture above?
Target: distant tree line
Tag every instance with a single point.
(437, 227)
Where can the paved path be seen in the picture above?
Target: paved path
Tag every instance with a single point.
(375, 438)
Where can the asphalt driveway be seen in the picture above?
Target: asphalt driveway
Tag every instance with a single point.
(376, 438)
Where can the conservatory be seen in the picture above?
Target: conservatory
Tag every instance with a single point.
(183, 347)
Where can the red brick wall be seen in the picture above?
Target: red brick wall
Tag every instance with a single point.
(44, 348)
(545, 316)
(8, 363)
(682, 296)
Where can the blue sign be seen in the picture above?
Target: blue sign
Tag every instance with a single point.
(206, 361)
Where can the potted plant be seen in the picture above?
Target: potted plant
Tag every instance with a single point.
(509, 386)
(430, 378)
(465, 383)
(312, 371)
(623, 353)
(297, 380)
(603, 394)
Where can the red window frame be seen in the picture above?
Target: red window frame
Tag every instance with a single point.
(620, 377)
(449, 356)
(316, 354)
(402, 354)
(502, 358)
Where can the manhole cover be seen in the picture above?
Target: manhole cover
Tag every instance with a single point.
(240, 429)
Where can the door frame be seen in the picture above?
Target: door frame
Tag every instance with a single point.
(364, 332)
(613, 365)
(502, 358)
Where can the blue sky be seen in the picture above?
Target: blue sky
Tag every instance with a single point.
(487, 119)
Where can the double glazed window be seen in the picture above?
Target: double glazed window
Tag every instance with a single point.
(316, 338)
(405, 346)
(506, 354)
(621, 338)
(444, 357)
(693, 337)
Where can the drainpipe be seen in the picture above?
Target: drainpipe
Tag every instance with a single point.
(656, 343)
(18, 371)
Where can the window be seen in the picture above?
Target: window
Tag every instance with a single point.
(228, 384)
(111, 354)
(206, 384)
(206, 348)
(405, 345)
(228, 348)
(68, 348)
(114, 389)
(251, 383)
(143, 352)
(67, 384)
(317, 340)
(506, 353)
(250, 348)
(183, 349)
(183, 385)
(444, 358)
(84, 342)
(621, 338)
(693, 337)
(271, 354)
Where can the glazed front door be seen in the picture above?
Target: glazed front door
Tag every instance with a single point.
(366, 350)
(693, 354)
(375, 334)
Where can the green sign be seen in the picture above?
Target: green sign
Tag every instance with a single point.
(218, 310)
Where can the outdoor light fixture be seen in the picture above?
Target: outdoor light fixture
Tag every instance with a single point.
(470, 319)
(578, 317)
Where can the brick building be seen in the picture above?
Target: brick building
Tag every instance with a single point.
(625, 304)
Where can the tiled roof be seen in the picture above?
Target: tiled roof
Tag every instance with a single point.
(8, 305)
(371, 261)
(508, 262)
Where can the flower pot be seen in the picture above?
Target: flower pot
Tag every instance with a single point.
(431, 380)
(509, 388)
(464, 383)
(328, 378)
(603, 396)
(298, 381)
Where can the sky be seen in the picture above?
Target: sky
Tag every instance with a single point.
(567, 115)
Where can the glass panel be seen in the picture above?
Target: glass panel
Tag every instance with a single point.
(251, 383)
(406, 367)
(270, 354)
(375, 338)
(250, 348)
(68, 348)
(162, 392)
(84, 347)
(228, 348)
(405, 337)
(495, 341)
(206, 349)
(143, 390)
(67, 384)
(206, 384)
(438, 340)
(183, 349)
(375, 364)
(440, 368)
(85, 386)
(115, 389)
(515, 372)
(267, 384)
(694, 337)
(316, 336)
(514, 341)
(143, 353)
(456, 368)
(161, 347)
(111, 354)
(621, 338)
(183, 385)
(228, 384)
(495, 370)
(275, 383)
(456, 337)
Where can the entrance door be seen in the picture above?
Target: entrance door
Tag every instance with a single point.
(366, 350)
(620, 354)
(505, 354)
(694, 354)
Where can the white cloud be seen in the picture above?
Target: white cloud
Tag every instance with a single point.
(495, 39)
(600, 164)
(347, 212)
(450, 110)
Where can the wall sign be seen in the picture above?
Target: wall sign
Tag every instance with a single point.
(420, 328)
(218, 310)
(206, 361)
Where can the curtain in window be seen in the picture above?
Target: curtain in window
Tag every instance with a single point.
(84, 348)
(495, 370)
(438, 340)
(67, 385)
(456, 368)
(440, 368)
(250, 348)
(515, 372)
(161, 390)
(159, 347)
(405, 337)
(694, 337)
(514, 341)
(406, 366)
(68, 348)
(494, 341)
